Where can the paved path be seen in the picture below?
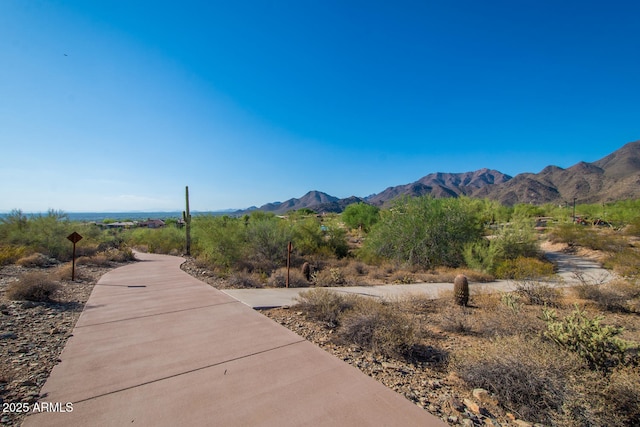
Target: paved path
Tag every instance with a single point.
(156, 347)
(568, 265)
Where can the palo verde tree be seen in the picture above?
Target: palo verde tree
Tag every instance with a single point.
(361, 215)
(424, 232)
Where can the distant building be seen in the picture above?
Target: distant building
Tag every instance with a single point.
(152, 223)
(119, 224)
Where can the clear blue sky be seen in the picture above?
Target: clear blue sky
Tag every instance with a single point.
(117, 105)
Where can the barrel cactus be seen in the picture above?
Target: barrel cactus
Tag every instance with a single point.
(306, 271)
(461, 290)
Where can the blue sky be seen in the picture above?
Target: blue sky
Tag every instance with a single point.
(117, 105)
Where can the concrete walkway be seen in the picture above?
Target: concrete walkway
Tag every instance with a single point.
(568, 266)
(156, 347)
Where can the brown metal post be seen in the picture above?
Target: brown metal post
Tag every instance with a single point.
(288, 262)
(74, 238)
(73, 263)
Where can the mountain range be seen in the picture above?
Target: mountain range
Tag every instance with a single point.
(614, 177)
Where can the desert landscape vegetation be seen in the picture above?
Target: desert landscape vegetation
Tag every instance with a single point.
(542, 354)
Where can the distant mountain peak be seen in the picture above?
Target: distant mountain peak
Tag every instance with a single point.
(614, 177)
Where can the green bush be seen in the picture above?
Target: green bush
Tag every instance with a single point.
(589, 237)
(598, 344)
(11, 253)
(361, 216)
(523, 268)
(164, 240)
(267, 238)
(424, 232)
(218, 241)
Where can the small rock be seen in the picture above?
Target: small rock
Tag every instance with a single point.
(523, 423)
(482, 395)
(466, 422)
(389, 365)
(8, 336)
(435, 384)
(473, 406)
(452, 419)
(29, 304)
(456, 404)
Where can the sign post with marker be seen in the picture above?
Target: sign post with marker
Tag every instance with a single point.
(74, 238)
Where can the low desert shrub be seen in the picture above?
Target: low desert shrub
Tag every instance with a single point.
(592, 238)
(119, 255)
(10, 254)
(278, 278)
(35, 260)
(622, 395)
(523, 268)
(32, 287)
(599, 345)
(403, 278)
(375, 326)
(99, 260)
(356, 268)
(244, 280)
(613, 296)
(538, 293)
(614, 402)
(456, 319)
(325, 305)
(328, 277)
(446, 275)
(531, 378)
(625, 263)
(65, 271)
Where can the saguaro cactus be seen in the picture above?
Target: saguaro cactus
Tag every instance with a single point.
(186, 216)
(461, 289)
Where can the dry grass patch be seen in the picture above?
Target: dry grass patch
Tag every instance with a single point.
(324, 305)
(245, 280)
(34, 260)
(279, 279)
(378, 327)
(32, 287)
(530, 377)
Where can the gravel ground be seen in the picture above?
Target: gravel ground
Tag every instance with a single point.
(426, 383)
(33, 334)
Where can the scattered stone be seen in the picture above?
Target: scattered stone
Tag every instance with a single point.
(473, 406)
(456, 404)
(33, 335)
(466, 422)
(483, 396)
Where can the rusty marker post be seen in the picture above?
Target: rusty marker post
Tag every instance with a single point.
(289, 249)
(75, 238)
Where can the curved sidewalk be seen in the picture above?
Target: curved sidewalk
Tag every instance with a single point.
(568, 266)
(156, 347)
